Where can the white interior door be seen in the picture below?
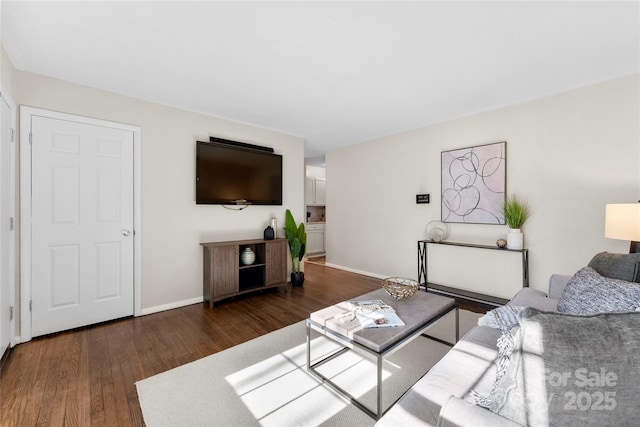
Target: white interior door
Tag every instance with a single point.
(7, 239)
(82, 218)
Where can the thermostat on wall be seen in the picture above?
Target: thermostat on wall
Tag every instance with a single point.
(422, 198)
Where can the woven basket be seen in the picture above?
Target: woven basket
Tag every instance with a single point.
(399, 288)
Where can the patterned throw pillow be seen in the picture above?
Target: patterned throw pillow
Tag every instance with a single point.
(589, 293)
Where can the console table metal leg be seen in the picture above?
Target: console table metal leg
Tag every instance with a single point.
(525, 268)
(422, 264)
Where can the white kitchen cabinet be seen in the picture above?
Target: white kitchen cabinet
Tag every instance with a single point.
(315, 238)
(309, 191)
(315, 191)
(321, 192)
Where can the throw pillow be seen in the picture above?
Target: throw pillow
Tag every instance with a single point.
(617, 266)
(587, 292)
(572, 370)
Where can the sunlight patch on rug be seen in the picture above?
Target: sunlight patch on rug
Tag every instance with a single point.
(264, 382)
(271, 388)
(279, 391)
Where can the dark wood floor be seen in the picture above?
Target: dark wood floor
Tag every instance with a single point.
(86, 377)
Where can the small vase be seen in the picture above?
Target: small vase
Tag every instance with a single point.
(247, 256)
(515, 239)
(269, 233)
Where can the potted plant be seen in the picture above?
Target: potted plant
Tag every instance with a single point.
(515, 212)
(297, 239)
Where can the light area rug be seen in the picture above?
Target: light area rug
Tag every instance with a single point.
(264, 382)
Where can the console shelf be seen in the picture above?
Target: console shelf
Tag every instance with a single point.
(225, 276)
(460, 293)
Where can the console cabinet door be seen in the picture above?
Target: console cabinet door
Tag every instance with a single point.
(276, 261)
(225, 270)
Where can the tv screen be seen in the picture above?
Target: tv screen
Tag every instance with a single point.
(229, 175)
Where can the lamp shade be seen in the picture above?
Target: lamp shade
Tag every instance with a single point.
(622, 221)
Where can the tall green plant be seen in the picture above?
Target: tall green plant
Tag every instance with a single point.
(515, 212)
(297, 238)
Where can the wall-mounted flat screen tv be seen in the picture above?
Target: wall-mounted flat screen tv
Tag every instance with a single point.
(229, 174)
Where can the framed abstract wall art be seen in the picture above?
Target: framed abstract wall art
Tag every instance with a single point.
(473, 184)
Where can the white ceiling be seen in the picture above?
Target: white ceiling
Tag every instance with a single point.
(334, 73)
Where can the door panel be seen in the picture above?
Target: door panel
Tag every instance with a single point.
(82, 204)
(64, 266)
(64, 195)
(108, 274)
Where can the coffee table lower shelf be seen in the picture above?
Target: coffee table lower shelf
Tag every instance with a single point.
(379, 357)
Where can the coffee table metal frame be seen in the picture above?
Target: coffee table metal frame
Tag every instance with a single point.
(348, 344)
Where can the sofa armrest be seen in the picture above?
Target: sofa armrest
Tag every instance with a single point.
(529, 297)
(557, 282)
(457, 412)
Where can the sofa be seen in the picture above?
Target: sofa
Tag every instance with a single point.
(455, 391)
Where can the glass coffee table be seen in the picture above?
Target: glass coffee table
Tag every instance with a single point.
(418, 313)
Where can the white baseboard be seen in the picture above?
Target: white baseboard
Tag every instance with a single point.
(170, 306)
(315, 255)
(353, 270)
(178, 304)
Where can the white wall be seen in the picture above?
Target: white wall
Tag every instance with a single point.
(172, 224)
(7, 72)
(567, 154)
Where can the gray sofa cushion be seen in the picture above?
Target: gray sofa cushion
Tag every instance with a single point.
(617, 266)
(557, 283)
(589, 292)
(466, 367)
(572, 370)
(457, 412)
(529, 297)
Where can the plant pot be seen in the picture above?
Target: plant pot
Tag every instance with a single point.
(515, 239)
(297, 279)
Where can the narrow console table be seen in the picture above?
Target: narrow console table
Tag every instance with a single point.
(464, 294)
(225, 275)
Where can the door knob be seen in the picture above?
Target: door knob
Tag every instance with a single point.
(126, 232)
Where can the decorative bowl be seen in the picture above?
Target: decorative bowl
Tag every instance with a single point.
(399, 288)
(437, 231)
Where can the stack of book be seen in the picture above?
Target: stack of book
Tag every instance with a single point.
(350, 317)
